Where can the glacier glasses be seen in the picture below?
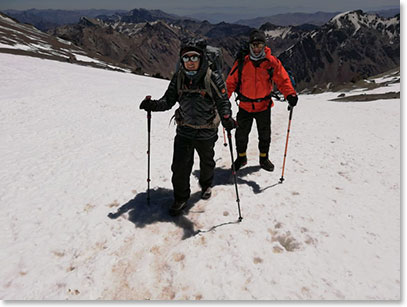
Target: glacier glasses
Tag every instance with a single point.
(257, 45)
(192, 58)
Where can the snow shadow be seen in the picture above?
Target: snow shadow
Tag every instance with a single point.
(224, 177)
(141, 213)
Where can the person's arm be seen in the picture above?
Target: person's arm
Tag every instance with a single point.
(164, 103)
(222, 102)
(170, 97)
(220, 95)
(232, 79)
(282, 79)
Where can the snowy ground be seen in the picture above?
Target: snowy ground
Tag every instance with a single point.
(76, 226)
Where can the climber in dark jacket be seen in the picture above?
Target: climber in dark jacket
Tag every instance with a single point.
(203, 104)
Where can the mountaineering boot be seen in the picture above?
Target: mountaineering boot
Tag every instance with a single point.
(265, 163)
(176, 207)
(240, 161)
(206, 193)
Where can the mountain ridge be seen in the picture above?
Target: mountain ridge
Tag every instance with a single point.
(351, 46)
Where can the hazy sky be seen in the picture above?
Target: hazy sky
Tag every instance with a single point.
(250, 8)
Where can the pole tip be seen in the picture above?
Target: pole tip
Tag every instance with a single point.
(281, 180)
(239, 219)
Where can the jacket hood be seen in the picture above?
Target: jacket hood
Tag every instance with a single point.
(198, 45)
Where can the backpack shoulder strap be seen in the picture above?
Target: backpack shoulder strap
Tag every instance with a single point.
(240, 63)
(271, 72)
(209, 84)
(180, 83)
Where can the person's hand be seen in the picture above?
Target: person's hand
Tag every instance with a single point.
(147, 104)
(292, 101)
(228, 122)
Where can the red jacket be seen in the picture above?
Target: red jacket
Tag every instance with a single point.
(256, 83)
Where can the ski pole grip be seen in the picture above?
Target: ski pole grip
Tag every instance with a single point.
(148, 97)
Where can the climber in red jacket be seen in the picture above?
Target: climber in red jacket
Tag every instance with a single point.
(252, 79)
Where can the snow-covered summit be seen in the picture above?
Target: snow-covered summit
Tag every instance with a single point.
(280, 32)
(358, 19)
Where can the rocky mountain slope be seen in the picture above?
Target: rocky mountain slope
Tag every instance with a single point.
(280, 38)
(23, 39)
(48, 19)
(351, 46)
(296, 19)
(290, 19)
(149, 46)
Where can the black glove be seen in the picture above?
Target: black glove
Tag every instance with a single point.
(228, 122)
(148, 104)
(292, 101)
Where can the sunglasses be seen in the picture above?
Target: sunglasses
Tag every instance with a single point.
(257, 45)
(192, 58)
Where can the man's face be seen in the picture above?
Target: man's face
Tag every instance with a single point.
(191, 61)
(257, 47)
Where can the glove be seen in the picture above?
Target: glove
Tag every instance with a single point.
(292, 101)
(148, 104)
(228, 122)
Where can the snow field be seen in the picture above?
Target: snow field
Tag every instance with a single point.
(76, 224)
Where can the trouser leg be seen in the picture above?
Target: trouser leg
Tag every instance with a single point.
(182, 162)
(245, 121)
(263, 122)
(205, 149)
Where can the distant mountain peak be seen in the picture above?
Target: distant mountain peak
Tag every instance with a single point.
(357, 19)
(86, 21)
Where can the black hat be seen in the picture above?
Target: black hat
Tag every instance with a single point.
(193, 44)
(257, 36)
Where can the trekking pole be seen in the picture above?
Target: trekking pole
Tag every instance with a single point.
(148, 151)
(234, 174)
(224, 138)
(286, 143)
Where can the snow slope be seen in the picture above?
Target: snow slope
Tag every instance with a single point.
(76, 226)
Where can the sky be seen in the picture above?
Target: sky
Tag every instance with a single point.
(238, 8)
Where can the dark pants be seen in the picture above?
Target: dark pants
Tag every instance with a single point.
(245, 121)
(183, 160)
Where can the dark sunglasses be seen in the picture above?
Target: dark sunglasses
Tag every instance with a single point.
(193, 58)
(257, 45)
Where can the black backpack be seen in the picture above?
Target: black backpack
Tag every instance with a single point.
(215, 59)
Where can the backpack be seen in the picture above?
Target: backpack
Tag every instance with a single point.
(239, 58)
(215, 59)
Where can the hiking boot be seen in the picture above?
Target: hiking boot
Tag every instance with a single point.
(176, 207)
(239, 162)
(266, 164)
(206, 193)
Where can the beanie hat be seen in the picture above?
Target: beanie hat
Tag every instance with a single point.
(192, 52)
(257, 35)
(193, 44)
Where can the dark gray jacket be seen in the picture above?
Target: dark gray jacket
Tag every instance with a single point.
(196, 106)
